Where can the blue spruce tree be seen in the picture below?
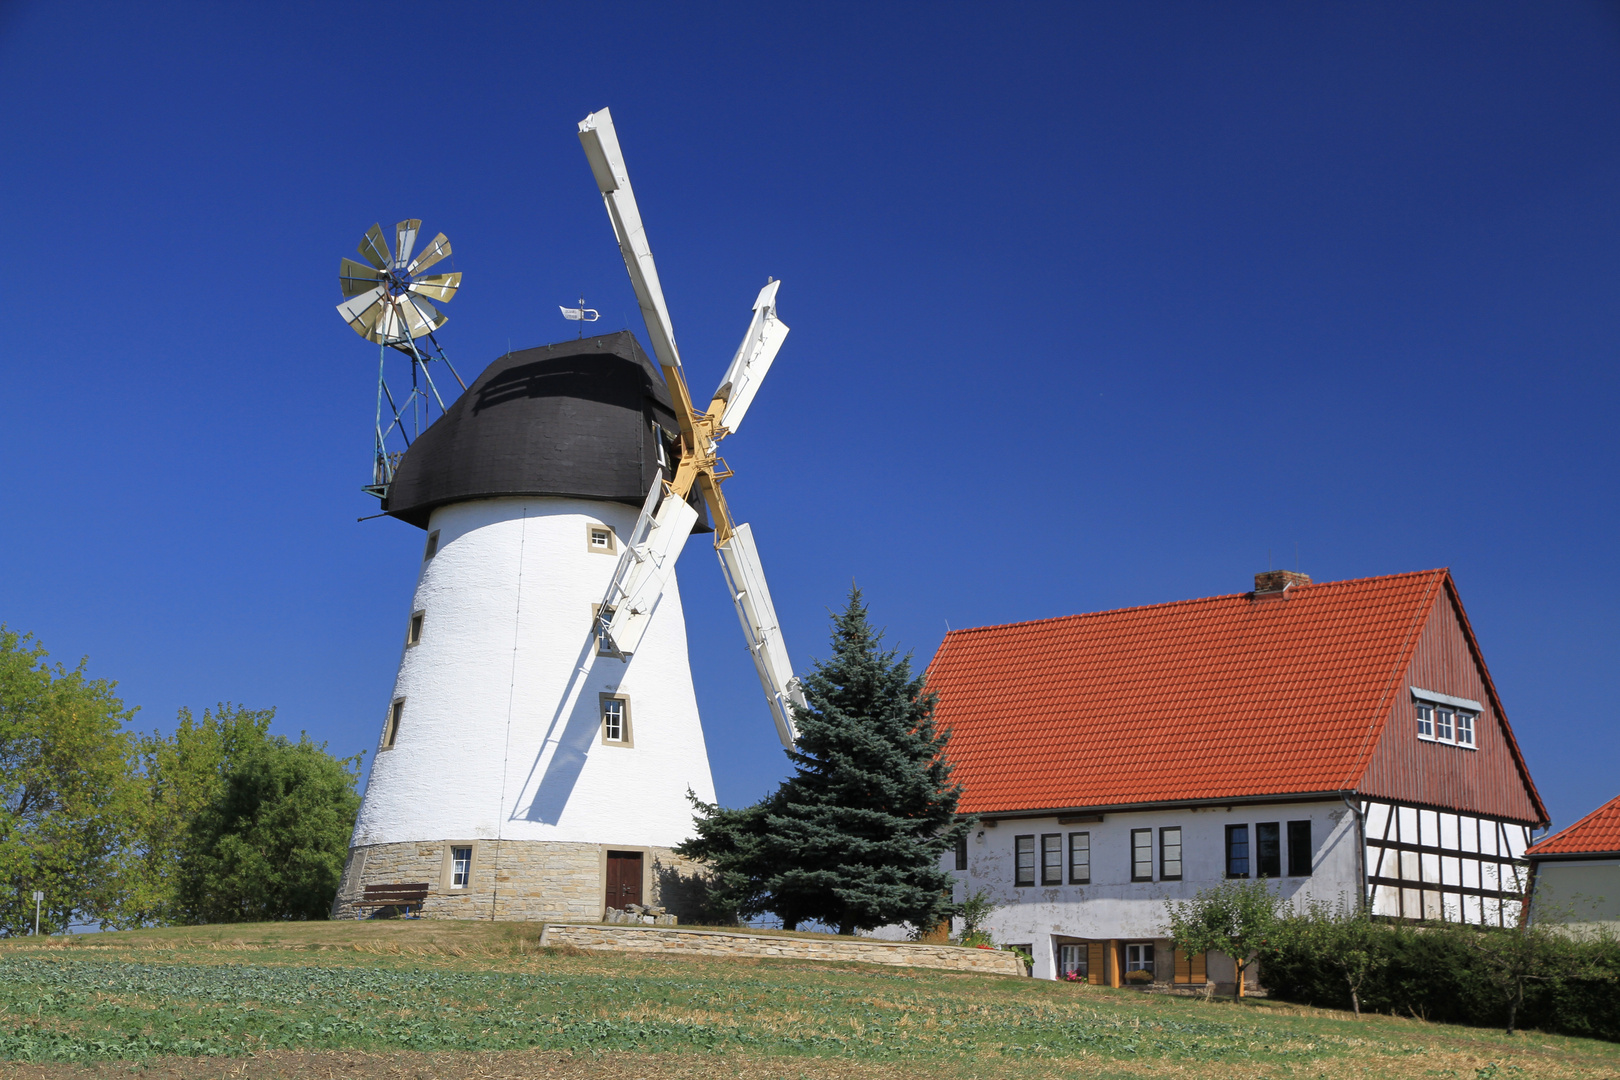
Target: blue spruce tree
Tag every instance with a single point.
(854, 838)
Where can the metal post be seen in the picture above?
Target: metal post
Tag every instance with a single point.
(38, 898)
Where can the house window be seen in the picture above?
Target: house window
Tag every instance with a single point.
(1447, 720)
(615, 719)
(1139, 958)
(1442, 724)
(1170, 854)
(1465, 729)
(1079, 858)
(1237, 851)
(1299, 849)
(1268, 850)
(460, 867)
(414, 634)
(600, 539)
(1141, 854)
(1023, 860)
(1052, 859)
(1425, 715)
(961, 852)
(432, 548)
(1072, 962)
(396, 712)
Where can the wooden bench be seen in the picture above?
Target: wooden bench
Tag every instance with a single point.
(401, 896)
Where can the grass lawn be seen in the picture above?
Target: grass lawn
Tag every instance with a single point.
(466, 999)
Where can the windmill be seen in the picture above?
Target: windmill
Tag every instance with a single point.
(667, 516)
(388, 303)
(543, 735)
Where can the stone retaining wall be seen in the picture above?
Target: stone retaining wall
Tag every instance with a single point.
(730, 943)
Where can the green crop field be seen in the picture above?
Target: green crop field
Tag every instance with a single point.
(427, 999)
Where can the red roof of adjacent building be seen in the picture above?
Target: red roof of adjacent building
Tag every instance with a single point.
(1596, 833)
(1225, 697)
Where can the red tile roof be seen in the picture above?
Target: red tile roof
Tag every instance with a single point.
(1201, 699)
(1597, 832)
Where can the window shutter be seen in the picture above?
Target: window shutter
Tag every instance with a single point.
(1190, 968)
(1096, 962)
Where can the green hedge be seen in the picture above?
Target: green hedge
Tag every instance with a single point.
(1445, 973)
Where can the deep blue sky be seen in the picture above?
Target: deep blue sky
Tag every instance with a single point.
(1092, 306)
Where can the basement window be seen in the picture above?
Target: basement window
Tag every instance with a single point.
(460, 867)
(396, 713)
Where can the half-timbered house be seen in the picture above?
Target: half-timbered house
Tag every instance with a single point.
(1343, 739)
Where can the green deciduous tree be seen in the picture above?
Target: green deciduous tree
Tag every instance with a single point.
(273, 843)
(1238, 918)
(855, 836)
(69, 799)
(185, 775)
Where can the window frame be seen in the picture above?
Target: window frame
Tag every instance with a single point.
(1465, 720)
(1051, 858)
(466, 872)
(1248, 862)
(413, 629)
(1293, 846)
(1147, 847)
(1145, 957)
(396, 714)
(1425, 720)
(592, 528)
(1164, 871)
(1445, 719)
(961, 852)
(431, 548)
(1260, 857)
(627, 732)
(1021, 846)
(1077, 876)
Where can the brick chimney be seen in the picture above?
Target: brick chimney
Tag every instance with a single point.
(1274, 584)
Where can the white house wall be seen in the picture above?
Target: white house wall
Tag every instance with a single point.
(1112, 906)
(500, 734)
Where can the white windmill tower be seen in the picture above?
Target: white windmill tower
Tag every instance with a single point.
(543, 733)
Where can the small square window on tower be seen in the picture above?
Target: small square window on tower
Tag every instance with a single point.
(616, 719)
(600, 539)
(396, 713)
(414, 634)
(432, 548)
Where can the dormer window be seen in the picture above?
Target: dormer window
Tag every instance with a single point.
(1442, 718)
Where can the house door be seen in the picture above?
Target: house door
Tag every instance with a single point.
(623, 878)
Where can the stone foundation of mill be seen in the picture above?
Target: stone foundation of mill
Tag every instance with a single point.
(520, 880)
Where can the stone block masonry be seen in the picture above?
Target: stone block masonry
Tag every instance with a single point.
(690, 942)
(518, 880)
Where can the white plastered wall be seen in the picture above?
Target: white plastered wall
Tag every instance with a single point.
(500, 734)
(1112, 906)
